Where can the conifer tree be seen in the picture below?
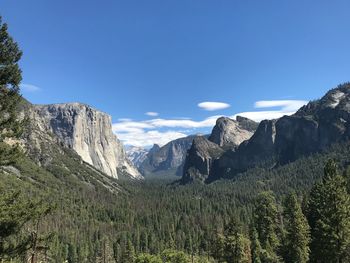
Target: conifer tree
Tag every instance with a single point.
(266, 224)
(329, 218)
(10, 78)
(129, 253)
(297, 232)
(255, 246)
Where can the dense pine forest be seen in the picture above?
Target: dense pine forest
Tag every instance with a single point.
(298, 212)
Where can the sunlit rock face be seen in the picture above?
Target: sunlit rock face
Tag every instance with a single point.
(89, 133)
(230, 133)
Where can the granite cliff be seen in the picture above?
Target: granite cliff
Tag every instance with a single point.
(83, 129)
(313, 128)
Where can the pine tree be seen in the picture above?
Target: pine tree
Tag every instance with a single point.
(266, 224)
(236, 245)
(297, 232)
(128, 253)
(255, 246)
(329, 218)
(10, 78)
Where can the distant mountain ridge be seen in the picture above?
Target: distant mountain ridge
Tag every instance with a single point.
(168, 159)
(136, 155)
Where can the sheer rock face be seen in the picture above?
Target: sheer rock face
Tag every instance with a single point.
(226, 135)
(168, 157)
(229, 133)
(88, 132)
(199, 159)
(313, 128)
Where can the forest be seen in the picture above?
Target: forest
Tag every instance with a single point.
(298, 212)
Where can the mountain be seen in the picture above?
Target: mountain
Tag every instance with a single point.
(199, 159)
(313, 128)
(168, 159)
(83, 129)
(136, 154)
(227, 134)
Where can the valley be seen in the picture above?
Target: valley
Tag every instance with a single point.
(221, 189)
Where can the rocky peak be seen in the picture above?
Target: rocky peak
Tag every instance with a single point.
(229, 133)
(136, 154)
(168, 158)
(89, 133)
(199, 159)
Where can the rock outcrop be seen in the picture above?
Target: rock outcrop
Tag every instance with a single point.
(226, 135)
(229, 133)
(313, 128)
(168, 158)
(85, 130)
(199, 159)
(136, 155)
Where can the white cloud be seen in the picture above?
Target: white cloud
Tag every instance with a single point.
(152, 113)
(147, 132)
(29, 87)
(262, 115)
(146, 138)
(212, 106)
(288, 107)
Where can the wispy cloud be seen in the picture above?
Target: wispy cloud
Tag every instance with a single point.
(152, 113)
(287, 107)
(125, 126)
(212, 105)
(161, 131)
(148, 132)
(29, 87)
(143, 138)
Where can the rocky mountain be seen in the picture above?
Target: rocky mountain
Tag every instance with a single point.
(199, 159)
(313, 128)
(227, 134)
(83, 129)
(168, 159)
(136, 154)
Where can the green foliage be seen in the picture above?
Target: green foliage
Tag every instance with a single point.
(10, 77)
(329, 218)
(232, 245)
(172, 256)
(147, 258)
(266, 224)
(15, 213)
(297, 232)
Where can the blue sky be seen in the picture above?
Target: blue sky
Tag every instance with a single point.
(131, 57)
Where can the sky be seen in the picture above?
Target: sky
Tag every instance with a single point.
(164, 69)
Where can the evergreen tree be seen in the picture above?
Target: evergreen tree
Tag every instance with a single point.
(128, 253)
(10, 78)
(297, 232)
(236, 245)
(329, 218)
(266, 224)
(255, 246)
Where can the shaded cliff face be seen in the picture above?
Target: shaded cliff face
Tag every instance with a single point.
(199, 159)
(312, 128)
(229, 133)
(88, 132)
(226, 135)
(168, 158)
